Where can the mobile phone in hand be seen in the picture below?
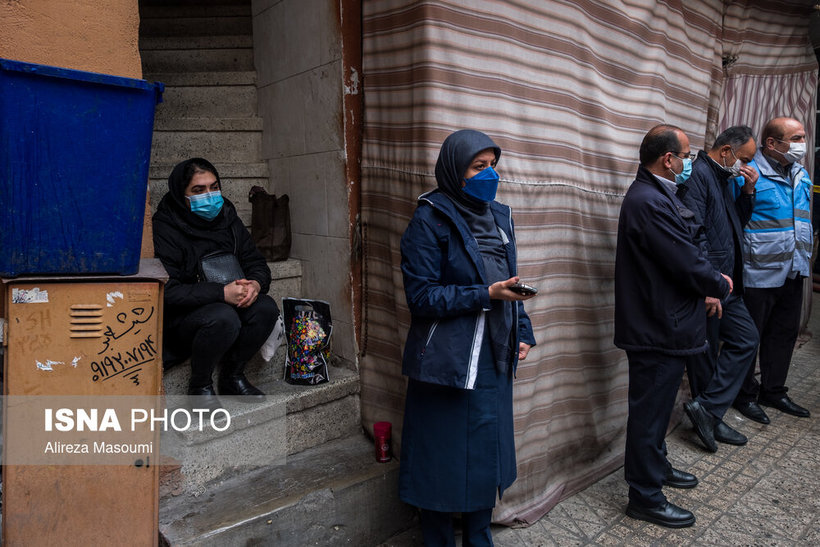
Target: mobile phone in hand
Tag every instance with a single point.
(523, 290)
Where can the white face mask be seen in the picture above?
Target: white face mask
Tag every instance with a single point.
(734, 169)
(796, 152)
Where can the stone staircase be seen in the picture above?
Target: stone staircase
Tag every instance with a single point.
(296, 469)
(203, 53)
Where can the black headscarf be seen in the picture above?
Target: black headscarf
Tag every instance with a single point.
(178, 181)
(457, 152)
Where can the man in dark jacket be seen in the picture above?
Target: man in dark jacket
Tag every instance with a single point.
(723, 207)
(661, 281)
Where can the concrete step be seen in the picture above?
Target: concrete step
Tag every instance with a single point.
(291, 419)
(203, 101)
(205, 41)
(190, 10)
(206, 78)
(198, 60)
(208, 124)
(333, 494)
(194, 3)
(216, 146)
(194, 22)
(227, 170)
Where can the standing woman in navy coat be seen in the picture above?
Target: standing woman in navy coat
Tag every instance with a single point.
(468, 331)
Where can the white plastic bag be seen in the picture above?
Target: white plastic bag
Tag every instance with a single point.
(276, 339)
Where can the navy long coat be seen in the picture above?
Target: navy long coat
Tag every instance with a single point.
(458, 449)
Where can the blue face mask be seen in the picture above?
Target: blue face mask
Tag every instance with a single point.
(206, 205)
(483, 185)
(685, 173)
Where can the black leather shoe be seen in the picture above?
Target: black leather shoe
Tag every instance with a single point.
(680, 479)
(703, 422)
(203, 397)
(725, 434)
(667, 514)
(239, 385)
(784, 404)
(752, 411)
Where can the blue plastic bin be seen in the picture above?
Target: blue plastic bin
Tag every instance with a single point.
(74, 154)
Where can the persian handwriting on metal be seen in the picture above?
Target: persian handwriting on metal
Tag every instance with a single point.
(127, 364)
(122, 318)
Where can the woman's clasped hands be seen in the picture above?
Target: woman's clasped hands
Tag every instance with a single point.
(242, 292)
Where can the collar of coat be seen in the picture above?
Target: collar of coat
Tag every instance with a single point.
(440, 202)
(720, 174)
(645, 176)
(765, 167)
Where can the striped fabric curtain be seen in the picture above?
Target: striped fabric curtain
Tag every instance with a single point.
(567, 89)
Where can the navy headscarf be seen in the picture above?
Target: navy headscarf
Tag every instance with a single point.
(457, 152)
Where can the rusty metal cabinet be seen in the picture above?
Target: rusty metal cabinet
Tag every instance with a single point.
(77, 348)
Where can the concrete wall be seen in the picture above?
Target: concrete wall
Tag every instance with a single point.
(81, 34)
(298, 58)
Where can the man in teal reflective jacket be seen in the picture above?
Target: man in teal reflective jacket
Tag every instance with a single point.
(777, 245)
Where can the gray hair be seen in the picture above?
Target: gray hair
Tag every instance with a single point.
(736, 136)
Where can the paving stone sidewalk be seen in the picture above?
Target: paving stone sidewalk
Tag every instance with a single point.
(764, 493)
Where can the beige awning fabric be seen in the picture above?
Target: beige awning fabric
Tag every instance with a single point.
(568, 90)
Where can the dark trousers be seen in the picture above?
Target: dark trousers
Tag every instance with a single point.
(715, 376)
(654, 380)
(437, 528)
(220, 331)
(776, 313)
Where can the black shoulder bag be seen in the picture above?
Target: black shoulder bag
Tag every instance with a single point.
(221, 266)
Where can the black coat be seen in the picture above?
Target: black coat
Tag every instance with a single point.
(711, 196)
(661, 274)
(180, 242)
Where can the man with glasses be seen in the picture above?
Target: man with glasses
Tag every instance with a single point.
(778, 238)
(721, 192)
(661, 281)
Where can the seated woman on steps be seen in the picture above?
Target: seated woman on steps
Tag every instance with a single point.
(226, 319)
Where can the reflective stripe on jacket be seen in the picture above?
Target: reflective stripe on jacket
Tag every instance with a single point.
(778, 238)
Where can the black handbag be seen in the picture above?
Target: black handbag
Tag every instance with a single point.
(220, 267)
(270, 224)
